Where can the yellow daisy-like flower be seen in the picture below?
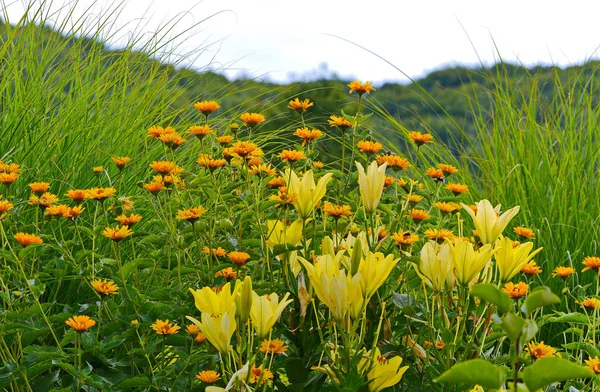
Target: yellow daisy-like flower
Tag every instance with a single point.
(239, 258)
(457, 189)
(217, 252)
(447, 170)
(418, 215)
(340, 122)
(531, 269)
(26, 239)
(128, 220)
(74, 212)
(44, 201)
(439, 235)
(165, 328)
(9, 168)
(594, 365)
(369, 147)
(318, 165)
(224, 140)
(276, 182)
(245, 149)
(274, 346)
(308, 135)
(207, 107)
(300, 106)
(154, 186)
(448, 208)
(120, 162)
(291, 155)
(591, 263)
(252, 119)
(420, 138)
(227, 273)
(524, 232)
(405, 239)
(361, 88)
(260, 376)
(5, 206)
(337, 211)
(540, 350)
(192, 329)
(105, 287)
(191, 214)
(80, 323)
(57, 211)
(39, 188)
(172, 140)
(8, 178)
(435, 174)
(563, 272)
(100, 194)
(210, 163)
(516, 291)
(77, 195)
(389, 180)
(394, 162)
(263, 170)
(200, 338)
(200, 131)
(413, 199)
(158, 131)
(117, 233)
(208, 376)
(591, 303)
(162, 167)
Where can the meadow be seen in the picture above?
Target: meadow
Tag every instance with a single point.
(155, 245)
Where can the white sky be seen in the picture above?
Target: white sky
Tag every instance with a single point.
(282, 40)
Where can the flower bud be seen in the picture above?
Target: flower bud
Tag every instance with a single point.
(243, 300)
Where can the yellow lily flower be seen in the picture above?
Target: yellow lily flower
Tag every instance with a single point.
(219, 329)
(487, 222)
(215, 304)
(467, 261)
(436, 265)
(374, 270)
(383, 373)
(280, 234)
(307, 193)
(510, 260)
(265, 312)
(371, 184)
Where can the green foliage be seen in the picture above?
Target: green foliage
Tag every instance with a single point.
(476, 371)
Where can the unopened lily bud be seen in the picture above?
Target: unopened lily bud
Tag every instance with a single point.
(244, 300)
(356, 257)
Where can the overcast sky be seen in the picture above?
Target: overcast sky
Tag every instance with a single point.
(285, 40)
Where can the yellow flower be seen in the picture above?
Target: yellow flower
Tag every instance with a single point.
(487, 222)
(371, 184)
(214, 304)
(531, 269)
(80, 323)
(274, 346)
(104, 287)
(117, 233)
(200, 131)
(120, 162)
(413, 199)
(360, 87)
(172, 140)
(457, 189)
(5, 206)
(260, 376)
(337, 211)
(435, 174)
(280, 233)
(382, 372)
(265, 312)
(368, 146)
(439, 235)
(594, 365)
(340, 122)
(58, 211)
(8, 178)
(252, 119)
(307, 193)
(308, 135)
(420, 138)
(524, 232)
(516, 291)
(374, 269)
(467, 261)
(291, 155)
(563, 272)
(218, 329)
(39, 188)
(238, 258)
(163, 167)
(591, 263)
(245, 149)
(208, 376)
(394, 162)
(591, 303)
(300, 106)
(511, 260)
(447, 170)
(128, 220)
(435, 267)
(100, 194)
(418, 215)
(192, 330)
(191, 214)
(447, 208)
(405, 239)
(165, 328)
(224, 140)
(28, 239)
(207, 107)
(262, 170)
(540, 350)
(77, 195)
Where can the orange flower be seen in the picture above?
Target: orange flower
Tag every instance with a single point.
(276, 182)
(227, 273)
(200, 131)
(217, 252)
(563, 272)
(418, 215)
(540, 350)
(591, 303)
(436, 174)
(337, 211)
(252, 119)
(191, 214)
(340, 122)
(10, 168)
(594, 365)
(74, 212)
(165, 328)
(524, 232)
(28, 239)
(360, 87)
(317, 164)
(39, 188)
(199, 338)
(291, 155)
(172, 140)
(263, 170)
(413, 199)
(239, 258)
(308, 135)
(162, 167)
(100, 194)
(369, 147)
(104, 287)
(5, 206)
(158, 131)
(300, 106)
(389, 180)
(154, 186)
(57, 211)
(208, 376)
(394, 162)
(44, 201)
(419, 138)
(457, 189)
(121, 161)
(260, 376)
(439, 235)
(192, 329)
(447, 170)
(80, 323)
(516, 291)
(225, 139)
(128, 220)
(531, 269)
(207, 107)
(8, 178)
(117, 233)
(274, 346)
(77, 195)
(210, 163)
(591, 263)
(405, 239)
(283, 195)
(245, 149)
(447, 208)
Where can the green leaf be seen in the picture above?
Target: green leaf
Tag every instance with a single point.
(548, 370)
(590, 349)
(475, 371)
(529, 331)
(512, 324)
(576, 318)
(491, 294)
(134, 382)
(542, 296)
